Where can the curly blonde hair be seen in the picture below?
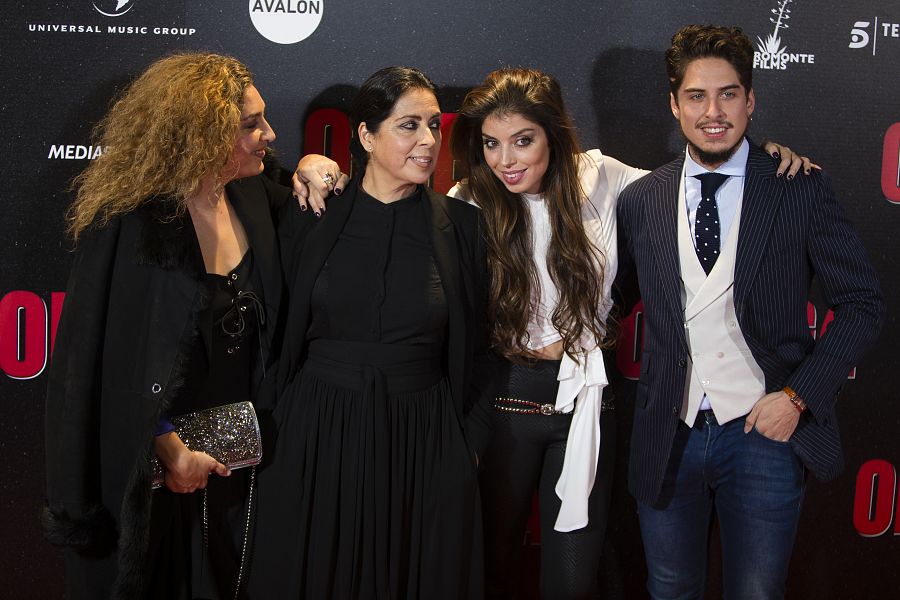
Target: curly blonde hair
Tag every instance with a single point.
(171, 127)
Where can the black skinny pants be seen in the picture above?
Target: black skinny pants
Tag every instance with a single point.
(526, 452)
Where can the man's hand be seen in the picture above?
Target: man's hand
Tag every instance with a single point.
(774, 416)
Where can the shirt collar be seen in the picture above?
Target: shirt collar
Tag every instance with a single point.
(735, 166)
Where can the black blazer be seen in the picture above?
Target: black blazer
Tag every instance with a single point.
(789, 231)
(126, 330)
(459, 250)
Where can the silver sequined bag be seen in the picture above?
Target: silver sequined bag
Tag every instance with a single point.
(229, 433)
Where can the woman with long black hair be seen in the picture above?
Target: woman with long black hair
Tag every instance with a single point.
(372, 490)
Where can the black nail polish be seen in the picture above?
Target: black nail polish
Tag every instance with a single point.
(337, 191)
(302, 207)
(790, 176)
(318, 214)
(776, 155)
(779, 174)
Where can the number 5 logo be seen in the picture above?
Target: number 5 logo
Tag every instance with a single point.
(890, 164)
(859, 38)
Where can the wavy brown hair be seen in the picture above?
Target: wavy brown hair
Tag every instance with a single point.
(575, 264)
(172, 126)
(709, 41)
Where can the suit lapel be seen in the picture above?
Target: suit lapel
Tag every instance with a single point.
(446, 254)
(313, 252)
(321, 240)
(443, 236)
(662, 214)
(762, 198)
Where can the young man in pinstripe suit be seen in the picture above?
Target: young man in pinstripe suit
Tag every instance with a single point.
(736, 401)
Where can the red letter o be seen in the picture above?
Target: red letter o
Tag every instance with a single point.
(631, 343)
(327, 132)
(873, 510)
(23, 335)
(890, 164)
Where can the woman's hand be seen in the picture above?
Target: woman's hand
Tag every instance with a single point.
(316, 178)
(790, 161)
(186, 470)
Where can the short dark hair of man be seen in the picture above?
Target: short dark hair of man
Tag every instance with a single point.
(709, 41)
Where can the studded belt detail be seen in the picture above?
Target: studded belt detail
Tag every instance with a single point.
(526, 407)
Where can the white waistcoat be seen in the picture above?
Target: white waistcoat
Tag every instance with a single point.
(722, 366)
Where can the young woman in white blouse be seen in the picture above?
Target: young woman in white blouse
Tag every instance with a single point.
(550, 213)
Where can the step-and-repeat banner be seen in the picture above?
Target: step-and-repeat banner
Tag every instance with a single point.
(826, 84)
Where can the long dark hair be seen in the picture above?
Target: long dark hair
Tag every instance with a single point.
(374, 102)
(575, 264)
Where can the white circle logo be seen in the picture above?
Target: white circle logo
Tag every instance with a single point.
(286, 21)
(113, 8)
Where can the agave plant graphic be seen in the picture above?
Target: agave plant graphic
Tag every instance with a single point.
(772, 44)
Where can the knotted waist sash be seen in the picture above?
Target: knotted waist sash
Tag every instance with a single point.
(384, 369)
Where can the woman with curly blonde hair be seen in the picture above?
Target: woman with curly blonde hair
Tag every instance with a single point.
(174, 126)
(171, 308)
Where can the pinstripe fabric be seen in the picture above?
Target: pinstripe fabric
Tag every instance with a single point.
(789, 231)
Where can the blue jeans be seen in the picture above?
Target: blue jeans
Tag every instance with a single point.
(755, 486)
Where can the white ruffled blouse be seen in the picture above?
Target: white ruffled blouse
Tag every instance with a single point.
(581, 383)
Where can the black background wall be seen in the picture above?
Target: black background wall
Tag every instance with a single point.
(833, 95)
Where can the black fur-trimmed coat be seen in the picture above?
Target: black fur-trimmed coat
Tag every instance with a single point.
(128, 323)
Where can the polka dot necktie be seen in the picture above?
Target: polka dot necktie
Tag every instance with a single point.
(706, 226)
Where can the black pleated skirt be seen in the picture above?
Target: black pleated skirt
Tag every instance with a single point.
(372, 490)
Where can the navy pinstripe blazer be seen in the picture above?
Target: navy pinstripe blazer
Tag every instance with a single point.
(789, 231)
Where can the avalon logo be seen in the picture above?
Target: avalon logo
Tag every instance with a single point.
(770, 53)
(113, 8)
(286, 21)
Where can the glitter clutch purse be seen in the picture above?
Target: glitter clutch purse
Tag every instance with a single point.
(229, 433)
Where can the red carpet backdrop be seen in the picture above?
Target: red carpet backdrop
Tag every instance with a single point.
(826, 84)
